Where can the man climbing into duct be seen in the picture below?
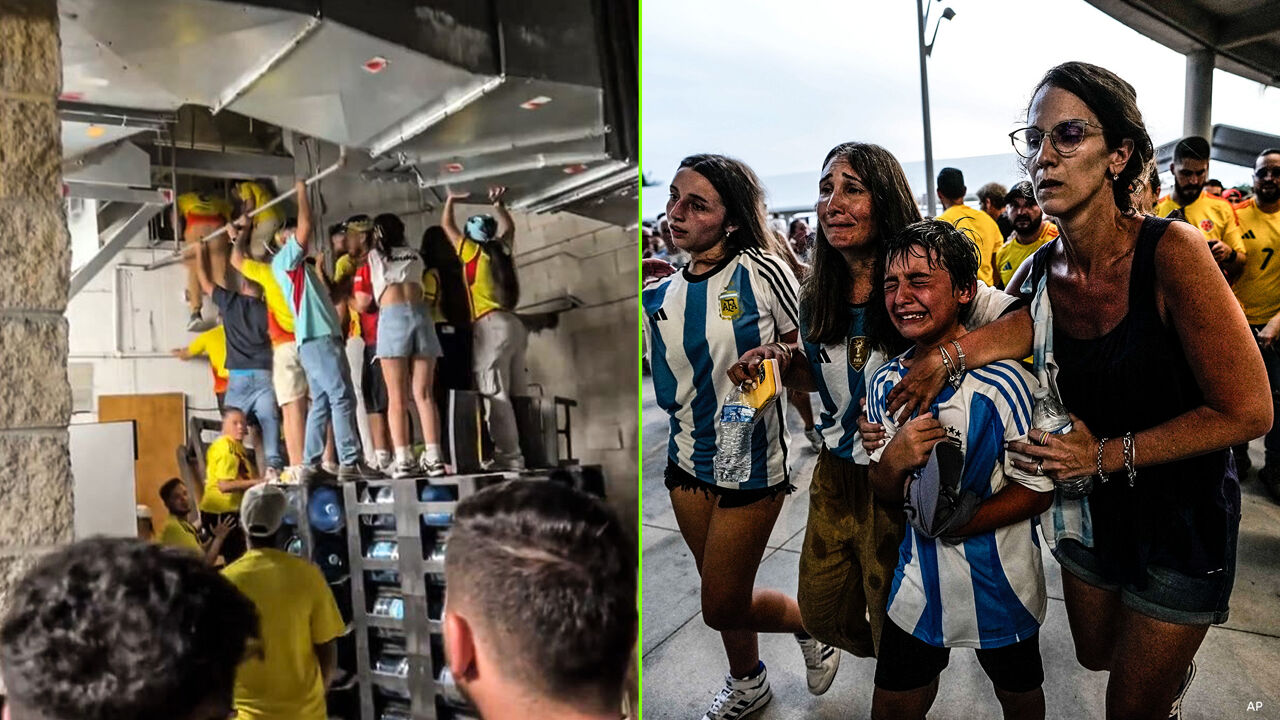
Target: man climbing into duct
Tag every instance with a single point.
(499, 337)
(201, 213)
(253, 194)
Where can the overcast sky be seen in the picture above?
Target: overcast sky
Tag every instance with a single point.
(778, 83)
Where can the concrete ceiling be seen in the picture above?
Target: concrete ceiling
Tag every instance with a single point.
(1243, 34)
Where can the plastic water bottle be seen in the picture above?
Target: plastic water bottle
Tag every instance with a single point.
(733, 439)
(1050, 415)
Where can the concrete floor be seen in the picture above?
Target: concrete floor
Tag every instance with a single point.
(684, 663)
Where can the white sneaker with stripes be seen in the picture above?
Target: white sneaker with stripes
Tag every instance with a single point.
(821, 662)
(740, 698)
(1175, 712)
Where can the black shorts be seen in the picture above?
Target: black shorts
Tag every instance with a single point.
(676, 477)
(906, 662)
(372, 385)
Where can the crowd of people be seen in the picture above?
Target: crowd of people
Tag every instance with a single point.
(932, 344)
(540, 622)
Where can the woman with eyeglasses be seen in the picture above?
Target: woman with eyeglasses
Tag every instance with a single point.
(733, 295)
(1135, 328)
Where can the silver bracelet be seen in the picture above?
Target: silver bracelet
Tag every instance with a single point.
(1128, 458)
(953, 377)
(1102, 475)
(960, 355)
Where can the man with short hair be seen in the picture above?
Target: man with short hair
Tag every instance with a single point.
(179, 533)
(227, 475)
(992, 200)
(299, 619)
(117, 629)
(560, 647)
(1258, 291)
(1213, 187)
(981, 229)
(1030, 231)
(1214, 216)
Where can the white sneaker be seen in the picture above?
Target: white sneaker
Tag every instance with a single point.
(814, 437)
(1175, 712)
(740, 698)
(433, 468)
(821, 662)
(272, 475)
(402, 469)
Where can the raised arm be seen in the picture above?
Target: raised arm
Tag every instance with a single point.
(506, 225)
(304, 215)
(448, 221)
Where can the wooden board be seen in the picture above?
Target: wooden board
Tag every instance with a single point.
(162, 426)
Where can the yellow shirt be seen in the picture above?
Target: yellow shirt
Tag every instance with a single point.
(179, 533)
(1013, 253)
(1258, 287)
(203, 208)
(988, 238)
(226, 460)
(1214, 216)
(279, 313)
(213, 343)
(431, 295)
(344, 268)
(296, 611)
(259, 195)
(479, 276)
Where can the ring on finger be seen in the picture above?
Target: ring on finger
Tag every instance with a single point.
(1040, 468)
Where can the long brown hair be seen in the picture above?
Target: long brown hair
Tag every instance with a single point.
(824, 296)
(743, 197)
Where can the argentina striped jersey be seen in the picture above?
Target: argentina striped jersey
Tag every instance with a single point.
(697, 326)
(841, 370)
(987, 591)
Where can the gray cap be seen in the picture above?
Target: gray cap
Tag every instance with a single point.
(262, 510)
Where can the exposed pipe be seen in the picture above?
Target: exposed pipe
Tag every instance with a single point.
(423, 120)
(337, 165)
(506, 144)
(572, 183)
(250, 78)
(607, 184)
(537, 162)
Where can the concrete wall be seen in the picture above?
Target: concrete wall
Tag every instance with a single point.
(590, 357)
(35, 399)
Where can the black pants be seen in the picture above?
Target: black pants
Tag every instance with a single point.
(234, 544)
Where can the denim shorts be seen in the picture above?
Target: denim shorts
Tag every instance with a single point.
(406, 331)
(1169, 596)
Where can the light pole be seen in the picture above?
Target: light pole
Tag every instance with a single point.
(922, 18)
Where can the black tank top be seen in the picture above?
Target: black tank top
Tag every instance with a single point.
(1180, 515)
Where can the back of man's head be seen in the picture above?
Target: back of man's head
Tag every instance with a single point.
(545, 577)
(117, 629)
(951, 183)
(993, 192)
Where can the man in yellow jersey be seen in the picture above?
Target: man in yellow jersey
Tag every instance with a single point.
(1214, 216)
(227, 475)
(298, 616)
(116, 628)
(498, 336)
(287, 377)
(981, 229)
(1030, 231)
(200, 214)
(211, 343)
(179, 533)
(1258, 290)
(254, 195)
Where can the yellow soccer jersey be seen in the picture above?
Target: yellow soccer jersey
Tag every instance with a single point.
(479, 277)
(1258, 287)
(431, 294)
(1013, 253)
(987, 237)
(260, 196)
(1214, 216)
(203, 208)
(296, 611)
(179, 533)
(226, 460)
(213, 343)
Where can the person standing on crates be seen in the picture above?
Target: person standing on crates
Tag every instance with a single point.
(320, 351)
(499, 337)
(299, 618)
(200, 214)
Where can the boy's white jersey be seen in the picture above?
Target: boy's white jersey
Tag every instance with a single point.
(987, 591)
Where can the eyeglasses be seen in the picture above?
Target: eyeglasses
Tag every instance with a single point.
(1065, 137)
(1267, 173)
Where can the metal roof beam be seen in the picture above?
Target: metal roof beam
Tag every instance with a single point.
(1260, 24)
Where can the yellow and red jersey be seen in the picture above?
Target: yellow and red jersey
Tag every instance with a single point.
(1258, 287)
(1215, 217)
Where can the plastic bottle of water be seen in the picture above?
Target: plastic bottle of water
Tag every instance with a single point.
(1049, 414)
(733, 440)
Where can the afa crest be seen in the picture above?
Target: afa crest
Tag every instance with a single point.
(1206, 225)
(859, 350)
(730, 306)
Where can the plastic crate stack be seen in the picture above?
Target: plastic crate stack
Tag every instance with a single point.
(317, 529)
(398, 532)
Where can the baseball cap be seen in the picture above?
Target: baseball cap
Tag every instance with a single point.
(262, 510)
(1022, 190)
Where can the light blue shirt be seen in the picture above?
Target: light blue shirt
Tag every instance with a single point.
(314, 315)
